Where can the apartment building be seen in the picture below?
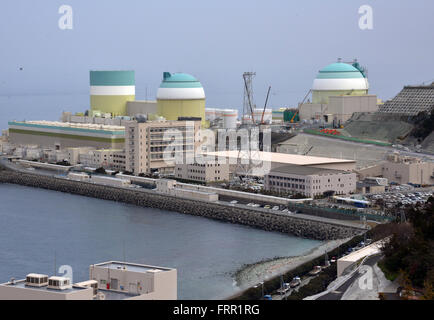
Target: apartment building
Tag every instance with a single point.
(158, 145)
(209, 172)
(309, 181)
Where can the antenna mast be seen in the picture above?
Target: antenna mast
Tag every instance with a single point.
(248, 94)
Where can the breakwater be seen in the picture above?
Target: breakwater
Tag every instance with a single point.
(292, 225)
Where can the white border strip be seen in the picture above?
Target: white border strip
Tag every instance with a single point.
(180, 93)
(113, 90)
(340, 84)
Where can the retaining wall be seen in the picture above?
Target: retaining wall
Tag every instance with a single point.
(147, 198)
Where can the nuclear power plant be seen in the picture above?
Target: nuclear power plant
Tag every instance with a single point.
(339, 90)
(110, 91)
(181, 96)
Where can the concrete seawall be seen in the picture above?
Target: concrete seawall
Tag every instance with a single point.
(147, 198)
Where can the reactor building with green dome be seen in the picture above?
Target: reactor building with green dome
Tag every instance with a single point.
(339, 79)
(110, 91)
(339, 90)
(181, 95)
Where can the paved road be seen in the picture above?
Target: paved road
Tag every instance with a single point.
(339, 292)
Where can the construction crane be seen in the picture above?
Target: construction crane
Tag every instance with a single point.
(265, 105)
(295, 113)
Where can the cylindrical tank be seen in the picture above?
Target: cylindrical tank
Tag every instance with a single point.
(230, 118)
(246, 119)
(268, 114)
(219, 113)
(181, 95)
(110, 91)
(210, 114)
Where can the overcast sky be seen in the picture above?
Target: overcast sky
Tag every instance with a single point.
(285, 42)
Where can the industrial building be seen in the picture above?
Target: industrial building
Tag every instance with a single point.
(411, 100)
(107, 158)
(309, 181)
(339, 109)
(371, 185)
(205, 173)
(170, 187)
(181, 95)
(61, 135)
(110, 280)
(110, 91)
(271, 160)
(142, 107)
(222, 118)
(156, 145)
(339, 90)
(402, 170)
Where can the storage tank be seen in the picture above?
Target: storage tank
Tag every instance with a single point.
(230, 118)
(268, 114)
(110, 91)
(246, 119)
(210, 114)
(219, 113)
(181, 95)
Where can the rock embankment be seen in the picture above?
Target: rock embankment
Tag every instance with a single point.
(292, 225)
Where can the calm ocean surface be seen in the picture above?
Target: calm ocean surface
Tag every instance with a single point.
(40, 107)
(37, 225)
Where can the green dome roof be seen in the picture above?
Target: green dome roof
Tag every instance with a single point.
(339, 70)
(179, 80)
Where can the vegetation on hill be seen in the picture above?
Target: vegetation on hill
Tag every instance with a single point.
(410, 252)
(423, 125)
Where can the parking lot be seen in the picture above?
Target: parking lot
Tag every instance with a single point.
(403, 198)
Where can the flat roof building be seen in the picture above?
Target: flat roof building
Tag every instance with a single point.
(112, 280)
(62, 135)
(159, 145)
(203, 172)
(309, 181)
(271, 160)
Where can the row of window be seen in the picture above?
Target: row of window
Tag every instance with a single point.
(288, 185)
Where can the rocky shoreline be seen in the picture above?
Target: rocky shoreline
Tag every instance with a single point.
(252, 274)
(292, 225)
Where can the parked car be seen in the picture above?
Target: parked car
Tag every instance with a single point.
(276, 208)
(285, 288)
(315, 270)
(295, 282)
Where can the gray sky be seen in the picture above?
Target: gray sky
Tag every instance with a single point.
(285, 42)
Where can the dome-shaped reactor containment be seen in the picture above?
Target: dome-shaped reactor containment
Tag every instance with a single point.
(338, 79)
(181, 95)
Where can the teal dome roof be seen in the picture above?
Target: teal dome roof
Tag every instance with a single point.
(179, 80)
(339, 70)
